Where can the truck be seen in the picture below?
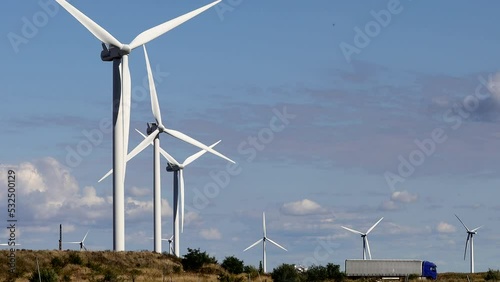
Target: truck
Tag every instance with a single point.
(390, 268)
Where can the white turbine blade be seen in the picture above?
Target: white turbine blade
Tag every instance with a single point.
(85, 236)
(4, 244)
(253, 245)
(466, 242)
(155, 107)
(368, 247)
(194, 142)
(264, 224)
(166, 155)
(475, 229)
(373, 226)
(139, 148)
(276, 244)
(158, 30)
(94, 28)
(462, 223)
(193, 157)
(147, 141)
(181, 176)
(126, 100)
(352, 230)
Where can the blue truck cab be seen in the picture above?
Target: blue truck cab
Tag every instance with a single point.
(429, 270)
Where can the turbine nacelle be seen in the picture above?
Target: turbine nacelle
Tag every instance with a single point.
(173, 167)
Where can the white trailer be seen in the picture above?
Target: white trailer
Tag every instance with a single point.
(390, 268)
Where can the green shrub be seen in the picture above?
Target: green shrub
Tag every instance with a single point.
(230, 278)
(74, 258)
(286, 273)
(233, 265)
(46, 275)
(195, 259)
(493, 275)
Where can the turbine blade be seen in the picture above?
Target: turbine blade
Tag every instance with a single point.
(352, 230)
(253, 244)
(264, 224)
(158, 30)
(371, 228)
(276, 244)
(155, 107)
(181, 176)
(94, 28)
(125, 106)
(368, 247)
(462, 223)
(193, 157)
(85, 236)
(475, 229)
(194, 142)
(166, 155)
(147, 141)
(466, 242)
(132, 154)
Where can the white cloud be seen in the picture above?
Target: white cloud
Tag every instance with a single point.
(444, 227)
(389, 205)
(210, 234)
(404, 197)
(140, 192)
(304, 207)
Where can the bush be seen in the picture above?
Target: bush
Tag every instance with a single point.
(195, 259)
(334, 273)
(232, 265)
(316, 273)
(285, 273)
(493, 275)
(74, 258)
(57, 263)
(251, 270)
(46, 275)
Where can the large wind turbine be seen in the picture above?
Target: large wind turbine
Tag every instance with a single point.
(118, 53)
(154, 131)
(263, 240)
(366, 245)
(470, 236)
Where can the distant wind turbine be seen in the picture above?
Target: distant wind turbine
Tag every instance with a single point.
(263, 240)
(470, 236)
(82, 245)
(366, 245)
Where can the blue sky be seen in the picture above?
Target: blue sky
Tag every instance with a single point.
(416, 106)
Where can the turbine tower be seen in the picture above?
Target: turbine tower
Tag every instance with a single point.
(263, 240)
(469, 240)
(116, 52)
(366, 245)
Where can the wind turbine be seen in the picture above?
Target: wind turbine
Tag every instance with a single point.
(82, 245)
(170, 240)
(263, 240)
(366, 245)
(154, 130)
(116, 52)
(470, 236)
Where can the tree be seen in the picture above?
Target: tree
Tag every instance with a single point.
(285, 273)
(233, 265)
(316, 273)
(261, 270)
(195, 259)
(334, 273)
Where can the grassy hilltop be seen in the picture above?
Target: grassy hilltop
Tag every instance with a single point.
(138, 266)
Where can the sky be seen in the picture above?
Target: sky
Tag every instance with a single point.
(338, 113)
